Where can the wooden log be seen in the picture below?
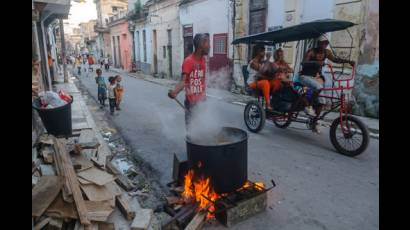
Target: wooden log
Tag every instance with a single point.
(186, 209)
(171, 200)
(198, 220)
(122, 205)
(74, 185)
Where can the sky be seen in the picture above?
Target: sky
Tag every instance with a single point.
(81, 12)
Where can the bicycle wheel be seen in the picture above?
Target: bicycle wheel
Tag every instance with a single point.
(254, 116)
(354, 140)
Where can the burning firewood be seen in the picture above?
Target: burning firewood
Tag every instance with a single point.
(198, 220)
(171, 200)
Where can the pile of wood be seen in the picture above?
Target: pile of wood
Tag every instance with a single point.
(185, 214)
(72, 189)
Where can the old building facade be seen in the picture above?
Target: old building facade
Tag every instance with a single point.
(255, 16)
(105, 10)
(121, 41)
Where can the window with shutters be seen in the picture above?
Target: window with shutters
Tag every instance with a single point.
(257, 16)
(220, 46)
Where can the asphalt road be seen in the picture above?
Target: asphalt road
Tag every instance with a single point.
(317, 188)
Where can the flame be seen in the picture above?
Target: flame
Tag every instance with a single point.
(257, 185)
(197, 189)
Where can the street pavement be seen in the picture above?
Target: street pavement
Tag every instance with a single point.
(317, 188)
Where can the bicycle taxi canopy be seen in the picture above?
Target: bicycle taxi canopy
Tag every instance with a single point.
(298, 32)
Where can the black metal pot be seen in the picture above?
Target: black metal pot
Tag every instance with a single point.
(225, 163)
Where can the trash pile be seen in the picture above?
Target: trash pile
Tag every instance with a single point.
(50, 99)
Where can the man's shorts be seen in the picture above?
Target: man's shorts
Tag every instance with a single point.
(310, 82)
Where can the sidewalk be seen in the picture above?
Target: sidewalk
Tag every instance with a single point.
(103, 171)
(240, 99)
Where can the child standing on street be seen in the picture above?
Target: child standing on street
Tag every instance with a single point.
(111, 94)
(102, 88)
(119, 91)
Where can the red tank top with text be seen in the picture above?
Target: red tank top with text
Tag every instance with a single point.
(195, 81)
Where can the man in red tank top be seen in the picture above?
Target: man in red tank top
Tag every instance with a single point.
(193, 77)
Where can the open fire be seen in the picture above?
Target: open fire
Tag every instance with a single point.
(199, 189)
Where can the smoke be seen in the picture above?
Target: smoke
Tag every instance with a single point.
(207, 118)
(220, 79)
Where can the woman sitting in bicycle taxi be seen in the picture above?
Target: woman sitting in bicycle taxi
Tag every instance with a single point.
(263, 75)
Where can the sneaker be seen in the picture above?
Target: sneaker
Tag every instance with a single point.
(316, 129)
(309, 111)
(118, 108)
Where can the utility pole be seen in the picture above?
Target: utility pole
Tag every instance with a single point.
(63, 51)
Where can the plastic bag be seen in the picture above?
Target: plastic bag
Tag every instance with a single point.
(50, 99)
(63, 95)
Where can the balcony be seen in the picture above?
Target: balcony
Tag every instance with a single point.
(99, 28)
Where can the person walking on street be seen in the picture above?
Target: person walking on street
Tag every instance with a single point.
(193, 78)
(101, 87)
(101, 61)
(90, 63)
(78, 65)
(111, 94)
(119, 91)
(106, 64)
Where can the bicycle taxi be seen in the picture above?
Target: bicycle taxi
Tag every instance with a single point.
(348, 134)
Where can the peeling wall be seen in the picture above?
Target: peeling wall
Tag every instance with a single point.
(366, 90)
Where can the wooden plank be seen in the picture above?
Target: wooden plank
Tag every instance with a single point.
(171, 200)
(90, 145)
(198, 221)
(45, 191)
(106, 226)
(99, 210)
(46, 139)
(83, 181)
(81, 163)
(114, 188)
(89, 153)
(97, 163)
(96, 192)
(61, 209)
(55, 224)
(72, 179)
(124, 183)
(67, 194)
(42, 223)
(96, 176)
(142, 219)
(122, 204)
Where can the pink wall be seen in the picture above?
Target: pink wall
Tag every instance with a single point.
(126, 48)
(125, 43)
